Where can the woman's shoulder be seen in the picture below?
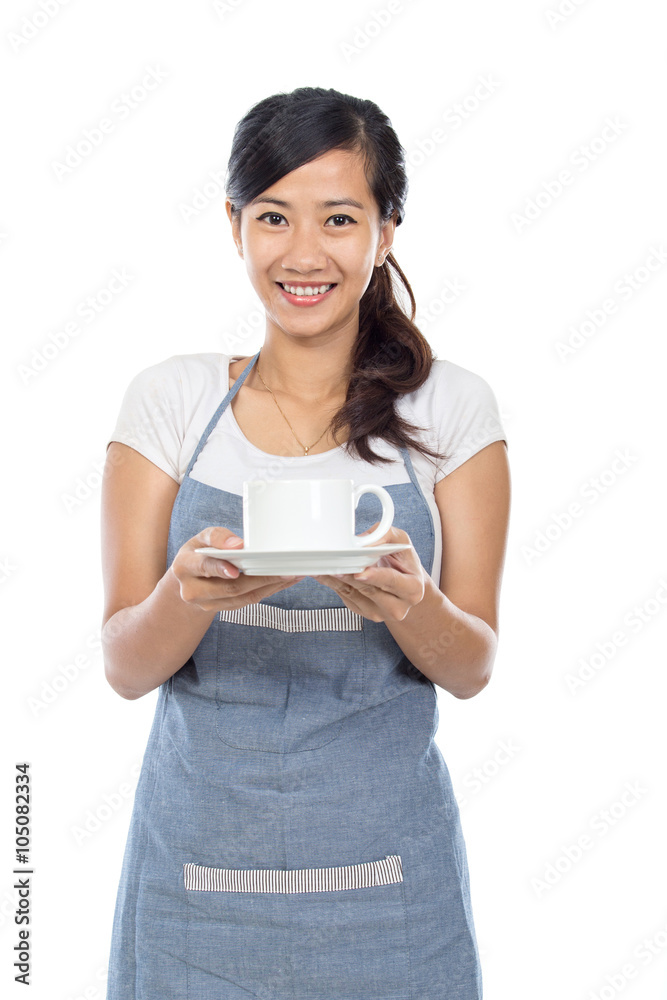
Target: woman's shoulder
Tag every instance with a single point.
(450, 381)
(461, 409)
(179, 364)
(182, 374)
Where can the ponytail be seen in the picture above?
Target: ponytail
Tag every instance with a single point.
(391, 357)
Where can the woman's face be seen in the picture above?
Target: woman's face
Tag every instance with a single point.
(290, 237)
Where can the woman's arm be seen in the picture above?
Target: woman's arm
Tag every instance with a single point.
(154, 617)
(451, 634)
(148, 631)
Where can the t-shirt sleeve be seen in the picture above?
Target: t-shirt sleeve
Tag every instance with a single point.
(151, 418)
(467, 417)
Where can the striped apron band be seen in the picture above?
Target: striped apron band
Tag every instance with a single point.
(361, 876)
(296, 619)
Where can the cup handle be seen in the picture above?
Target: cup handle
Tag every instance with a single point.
(387, 513)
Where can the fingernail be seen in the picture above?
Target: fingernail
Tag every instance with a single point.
(227, 572)
(234, 540)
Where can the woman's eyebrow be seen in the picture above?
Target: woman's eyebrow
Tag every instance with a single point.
(321, 204)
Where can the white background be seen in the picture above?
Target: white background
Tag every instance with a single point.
(550, 758)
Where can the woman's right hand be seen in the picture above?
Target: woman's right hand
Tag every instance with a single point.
(214, 584)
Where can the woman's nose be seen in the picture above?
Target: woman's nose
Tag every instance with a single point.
(304, 253)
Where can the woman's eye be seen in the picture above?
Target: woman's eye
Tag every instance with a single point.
(341, 217)
(270, 215)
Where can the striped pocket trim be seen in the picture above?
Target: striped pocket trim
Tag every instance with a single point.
(295, 619)
(362, 876)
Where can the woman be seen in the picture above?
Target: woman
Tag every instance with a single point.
(294, 831)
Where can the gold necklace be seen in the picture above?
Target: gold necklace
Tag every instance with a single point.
(305, 449)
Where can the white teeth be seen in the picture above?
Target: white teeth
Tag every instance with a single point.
(308, 290)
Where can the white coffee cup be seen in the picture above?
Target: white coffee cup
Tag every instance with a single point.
(296, 515)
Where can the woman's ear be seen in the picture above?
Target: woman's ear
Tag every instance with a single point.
(236, 225)
(387, 234)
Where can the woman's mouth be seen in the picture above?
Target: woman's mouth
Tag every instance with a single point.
(306, 295)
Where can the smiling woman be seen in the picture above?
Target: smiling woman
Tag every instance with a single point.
(295, 831)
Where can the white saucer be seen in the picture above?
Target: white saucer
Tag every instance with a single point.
(308, 563)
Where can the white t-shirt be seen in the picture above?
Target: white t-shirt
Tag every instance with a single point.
(167, 407)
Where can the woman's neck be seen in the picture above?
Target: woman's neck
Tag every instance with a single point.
(311, 374)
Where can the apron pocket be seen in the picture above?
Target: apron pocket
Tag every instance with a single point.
(326, 932)
(362, 876)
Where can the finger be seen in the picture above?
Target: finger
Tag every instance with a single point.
(383, 540)
(404, 563)
(393, 591)
(398, 583)
(380, 577)
(372, 603)
(392, 578)
(230, 595)
(382, 605)
(219, 537)
(367, 600)
(213, 566)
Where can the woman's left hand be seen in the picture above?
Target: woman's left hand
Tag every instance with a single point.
(392, 585)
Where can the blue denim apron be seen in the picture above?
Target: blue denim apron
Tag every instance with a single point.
(294, 834)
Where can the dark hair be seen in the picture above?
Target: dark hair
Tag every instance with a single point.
(391, 356)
